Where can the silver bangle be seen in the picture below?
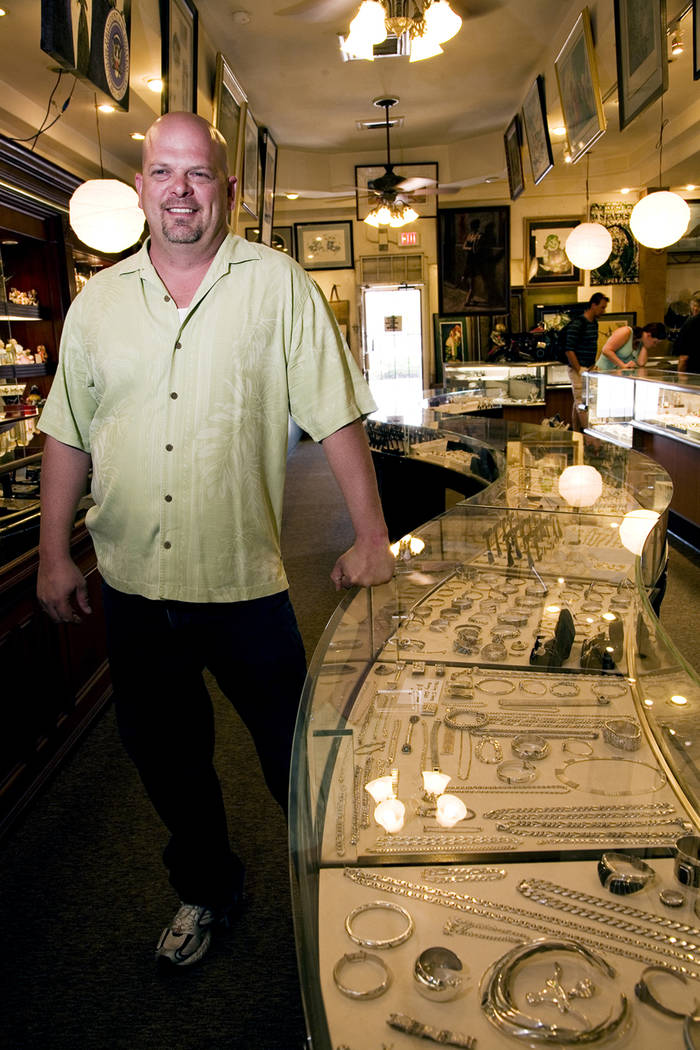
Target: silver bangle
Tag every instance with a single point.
(645, 994)
(564, 689)
(623, 734)
(516, 771)
(435, 973)
(450, 719)
(614, 878)
(534, 748)
(503, 686)
(583, 749)
(404, 1023)
(527, 687)
(389, 942)
(355, 957)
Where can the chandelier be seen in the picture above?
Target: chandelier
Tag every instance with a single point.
(430, 24)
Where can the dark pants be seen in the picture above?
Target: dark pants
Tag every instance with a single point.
(157, 652)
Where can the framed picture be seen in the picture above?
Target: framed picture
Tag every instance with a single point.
(474, 260)
(268, 154)
(324, 245)
(642, 62)
(690, 241)
(93, 42)
(282, 238)
(546, 262)
(556, 315)
(423, 199)
(514, 158)
(609, 323)
(450, 341)
(539, 145)
(696, 39)
(577, 77)
(251, 187)
(230, 104)
(622, 265)
(178, 30)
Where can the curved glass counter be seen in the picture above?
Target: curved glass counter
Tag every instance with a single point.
(517, 653)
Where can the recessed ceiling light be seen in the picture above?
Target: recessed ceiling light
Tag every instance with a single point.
(690, 187)
(106, 108)
(560, 131)
(154, 84)
(137, 136)
(625, 189)
(292, 196)
(241, 18)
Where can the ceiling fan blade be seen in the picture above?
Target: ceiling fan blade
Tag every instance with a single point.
(318, 194)
(413, 184)
(477, 180)
(317, 10)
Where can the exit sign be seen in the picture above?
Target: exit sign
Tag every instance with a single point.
(408, 239)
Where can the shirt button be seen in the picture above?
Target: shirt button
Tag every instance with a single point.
(166, 298)
(174, 396)
(167, 545)
(168, 448)
(178, 346)
(168, 499)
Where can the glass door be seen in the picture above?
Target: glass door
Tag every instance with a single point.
(394, 346)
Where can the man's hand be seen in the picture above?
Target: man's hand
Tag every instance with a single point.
(62, 592)
(364, 565)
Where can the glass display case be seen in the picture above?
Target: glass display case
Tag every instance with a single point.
(511, 384)
(531, 742)
(661, 402)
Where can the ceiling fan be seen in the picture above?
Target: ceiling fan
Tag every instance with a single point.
(326, 10)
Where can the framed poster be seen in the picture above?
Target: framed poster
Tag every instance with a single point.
(230, 104)
(556, 315)
(282, 238)
(609, 323)
(546, 262)
(178, 30)
(324, 245)
(421, 178)
(622, 265)
(91, 38)
(539, 145)
(450, 341)
(268, 154)
(642, 62)
(514, 158)
(474, 260)
(252, 168)
(579, 90)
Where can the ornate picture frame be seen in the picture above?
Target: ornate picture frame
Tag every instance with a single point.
(579, 89)
(230, 106)
(450, 341)
(251, 182)
(640, 48)
(474, 260)
(546, 263)
(539, 145)
(324, 245)
(282, 238)
(268, 154)
(424, 203)
(512, 141)
(179, 23)
(93, 45)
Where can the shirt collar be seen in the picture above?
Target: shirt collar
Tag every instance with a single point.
(232, 251)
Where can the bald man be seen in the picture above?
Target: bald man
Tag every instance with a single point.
(178, 369)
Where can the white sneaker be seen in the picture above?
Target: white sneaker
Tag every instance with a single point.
(186, 940)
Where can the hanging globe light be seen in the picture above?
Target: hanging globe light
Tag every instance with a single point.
(588, 245)
(580, 486)
(105, 214)
(659, 219)
(635, 527)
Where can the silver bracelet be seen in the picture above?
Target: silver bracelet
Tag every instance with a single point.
(534, 748)
(436, 974)
(564, 689)
(623, 734)
(389, 942)
(450, 720)
(489, 741)
(404, 1023)
(503, 686)
(516, 771)
(527, 687)
(364, 957)
(645, 994)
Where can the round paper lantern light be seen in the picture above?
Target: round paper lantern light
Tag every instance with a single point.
(588, 245)
(580, 486)
(659, 219)
(635, 527)
(105, 214)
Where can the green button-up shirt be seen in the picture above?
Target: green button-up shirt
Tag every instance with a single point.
(186, 422)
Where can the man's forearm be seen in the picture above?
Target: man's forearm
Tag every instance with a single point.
(350, 460)
(64, 474)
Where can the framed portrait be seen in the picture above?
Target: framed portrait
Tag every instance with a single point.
(450, 341)
(690, 241)
(178, 30)
(696, 39)
(474, 260)
(642, 62)
(546, 262)
(514, 158)
(579, 90)
(423, 193)
(539, 145)
(91, 40)
(268, 154)
(251, 186)
(609, 323)
(622, 265)
(324, 245)
(282, 238)
(230, 104)
(556, 315)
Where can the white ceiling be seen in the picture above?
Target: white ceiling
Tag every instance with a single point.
(299, 86)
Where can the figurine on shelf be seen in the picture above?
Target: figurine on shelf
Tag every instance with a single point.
(34, 396)
(22, 356)
(11, 351)
(19, 298)
(40, 354)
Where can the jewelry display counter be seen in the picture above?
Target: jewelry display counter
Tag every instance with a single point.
(529, 738)
(525, 391)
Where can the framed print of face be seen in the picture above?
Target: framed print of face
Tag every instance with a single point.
(514, 158)
(546, 262)
(642, 63)
(473, 260)
(324, 245)
(539, 145)
(179, 23)
(230, 103)
(577, 77)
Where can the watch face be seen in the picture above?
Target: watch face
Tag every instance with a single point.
(116, 54)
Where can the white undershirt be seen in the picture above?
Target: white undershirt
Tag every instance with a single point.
(183, 312)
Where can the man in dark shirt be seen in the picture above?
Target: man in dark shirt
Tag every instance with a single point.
(687, 344)
(581, 351)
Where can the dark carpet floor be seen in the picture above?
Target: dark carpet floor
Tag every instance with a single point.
(83, 895)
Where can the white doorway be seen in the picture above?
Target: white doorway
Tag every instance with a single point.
(393, 346)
